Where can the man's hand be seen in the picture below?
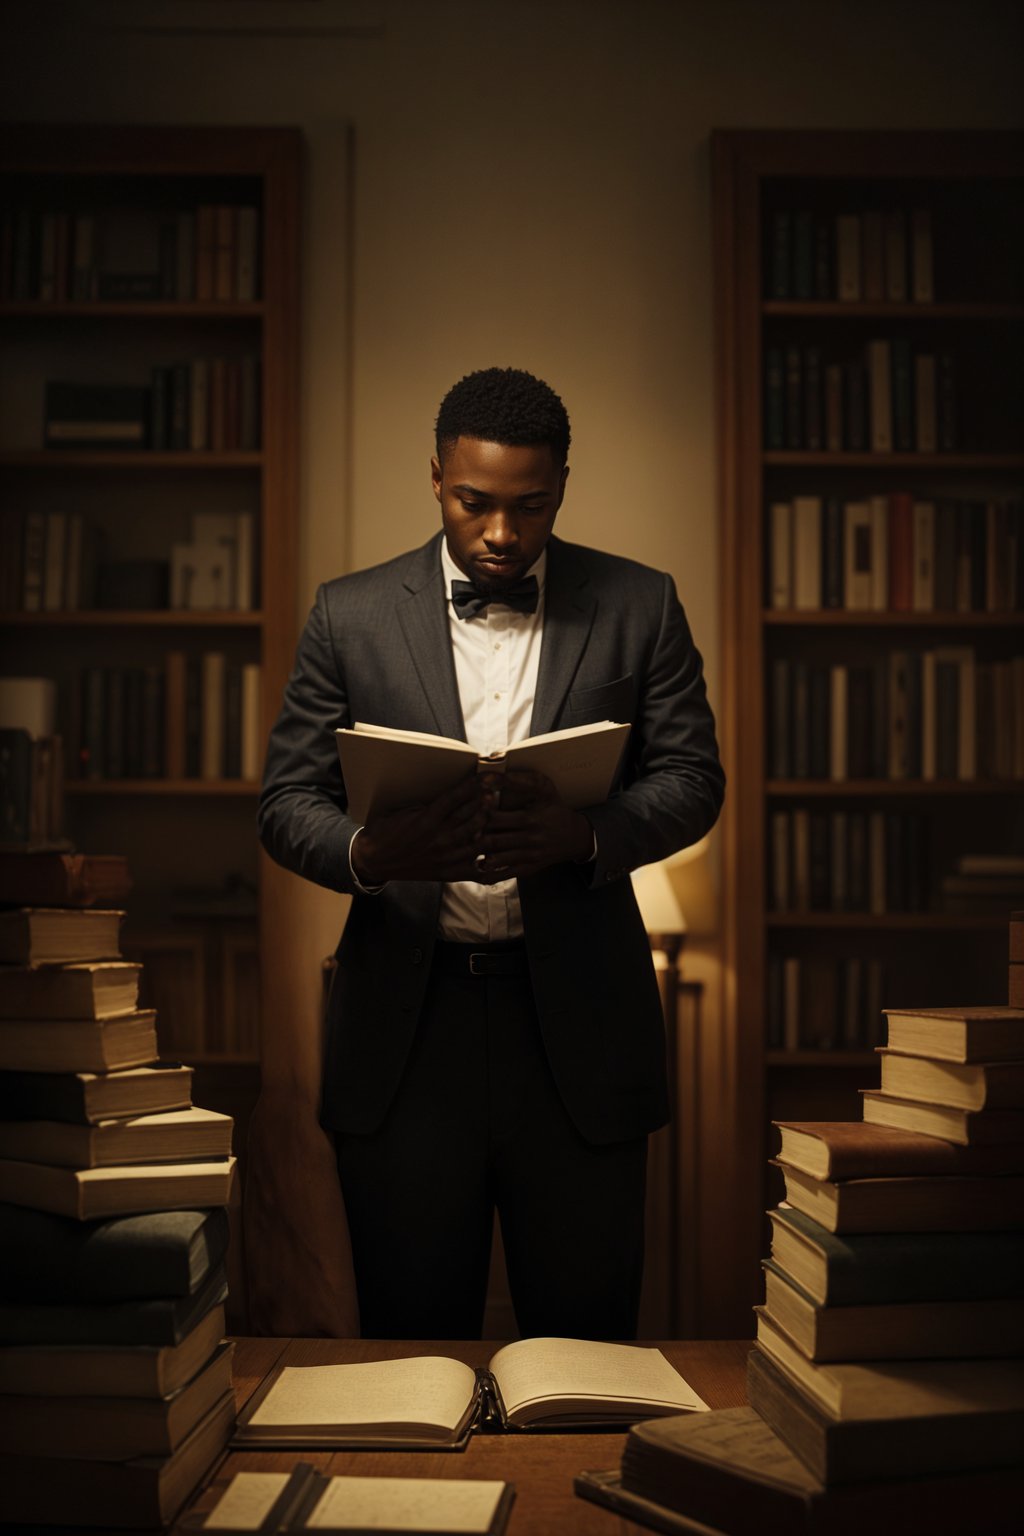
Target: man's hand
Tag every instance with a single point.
(528, 828)
(438, 841)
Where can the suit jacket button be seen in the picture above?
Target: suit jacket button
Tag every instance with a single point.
(415, 956)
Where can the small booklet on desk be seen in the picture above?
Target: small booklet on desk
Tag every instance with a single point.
(431, 1402)
(305, 1499)
(387, 769)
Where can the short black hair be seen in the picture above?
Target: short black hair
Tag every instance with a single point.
(504, 405)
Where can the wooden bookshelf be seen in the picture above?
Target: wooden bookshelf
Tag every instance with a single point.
(180, 834)
(785, 432)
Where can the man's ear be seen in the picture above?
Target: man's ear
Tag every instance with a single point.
(561, 484)
(436, 477)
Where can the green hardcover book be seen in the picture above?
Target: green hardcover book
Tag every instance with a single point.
(865, 1267)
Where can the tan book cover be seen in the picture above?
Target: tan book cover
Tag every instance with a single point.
(88, 1193)
(183, 1135)
(78, 1045)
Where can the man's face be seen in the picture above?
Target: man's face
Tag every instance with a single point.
(498, 506)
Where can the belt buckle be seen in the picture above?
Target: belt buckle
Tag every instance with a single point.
(474, 969)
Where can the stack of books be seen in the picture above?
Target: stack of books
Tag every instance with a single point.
(886, 1384)
(115, 1380)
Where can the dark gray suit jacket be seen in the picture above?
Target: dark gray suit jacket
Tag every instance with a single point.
(616, 647)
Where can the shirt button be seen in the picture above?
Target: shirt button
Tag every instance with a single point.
(497, 646)
(497, 695)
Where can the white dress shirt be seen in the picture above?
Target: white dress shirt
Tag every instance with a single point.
(497, 654)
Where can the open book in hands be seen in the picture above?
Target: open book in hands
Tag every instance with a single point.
(386, 770)
(434, 1402)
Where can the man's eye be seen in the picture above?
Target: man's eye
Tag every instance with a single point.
(471, 506)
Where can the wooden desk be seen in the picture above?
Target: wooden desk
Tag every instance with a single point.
(542, 1467)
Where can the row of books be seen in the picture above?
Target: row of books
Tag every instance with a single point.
(930, 714)
(115, 1377)
(848, 861)
(887, 399)
(207, 253)
(31, 788)
(199, 405)
(885, 1386)
(54, 561)
(871, 257)
(195, 717)
(823, 1003)
(896, 553)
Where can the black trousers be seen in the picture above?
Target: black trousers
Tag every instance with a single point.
(478, 1124)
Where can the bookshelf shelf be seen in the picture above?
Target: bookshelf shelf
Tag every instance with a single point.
(130, 310)
(919, 355)
(159, 787)
(890, 788)
(157, 618)
(835, 310)
(870, 619)
(923, 462)
(125, 458)
(166, 693)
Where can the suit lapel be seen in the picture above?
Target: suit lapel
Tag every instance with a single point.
(423, 616)
(569, 605)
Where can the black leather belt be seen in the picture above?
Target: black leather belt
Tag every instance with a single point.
(481, 959)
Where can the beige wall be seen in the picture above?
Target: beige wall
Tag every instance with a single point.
(516, 183)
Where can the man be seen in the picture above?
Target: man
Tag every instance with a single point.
(495, 1036)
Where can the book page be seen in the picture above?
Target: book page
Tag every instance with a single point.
(426, 1390)
(393, 733)
(549, 1370)
(246, 1501)
(408, 1504)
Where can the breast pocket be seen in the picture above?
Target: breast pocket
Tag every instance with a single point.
(606, 701)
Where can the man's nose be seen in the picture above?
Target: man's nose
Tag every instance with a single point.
(502, 531)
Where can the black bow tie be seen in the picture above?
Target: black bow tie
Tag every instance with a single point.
(468, 602)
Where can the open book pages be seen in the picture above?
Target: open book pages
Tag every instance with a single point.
(455, 1505)
(428, 1399)
(578, 1381)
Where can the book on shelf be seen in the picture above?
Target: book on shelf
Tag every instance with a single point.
(95, 416)
(727, 1471)
(927, 1203)
(148, 1320)
(849, 1269)
(54, 935)
(435, 1402)
(31, 791)
(909, 1330)
(154, 1254)
(63, 879)
(87, 1193)
(848, 258)
(969, 1127)
(97, 1370)
(78, 1045)
(807, 552)
(88, 1097)
(857, 1421)
(183, 1135)
(97, 989)
(306, 1499)
(105, 1428)
(385, 769)
(146, 1491)
(968, 1034)
(970, 1085)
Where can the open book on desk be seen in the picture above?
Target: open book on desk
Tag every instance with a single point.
(387, 769)
(432, 1402)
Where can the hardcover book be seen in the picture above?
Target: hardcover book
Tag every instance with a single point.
(852, 1149)
(958, 1034)
(52, 935)
(86, 1098)
(924, 1204)
(90, 990)
(77, 1045)
(182, 1135)
(437, 1402)
(87, 1193)
(147, 1320)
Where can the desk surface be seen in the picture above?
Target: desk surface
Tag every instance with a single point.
(542, 1467)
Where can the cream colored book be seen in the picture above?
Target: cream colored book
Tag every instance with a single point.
(386, 769)
(183, 1135)
(432, 1506)
(78, 1045)
(86, 1193)
(432, 1400)
(56, 935)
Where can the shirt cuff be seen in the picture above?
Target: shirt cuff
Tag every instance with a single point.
(366, 890)
(592, 855)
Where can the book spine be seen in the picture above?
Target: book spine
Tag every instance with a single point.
(924, 556)
(880, 395)
(901, 552)
(848, 258)
(780, 571)
(251, 735)
(212, 738)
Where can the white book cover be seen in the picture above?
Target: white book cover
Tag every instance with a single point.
(857, 555)
(923, 551)
(880, 395)
(838, 691)
(807, 552)
(879, 553)
(781, 554)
